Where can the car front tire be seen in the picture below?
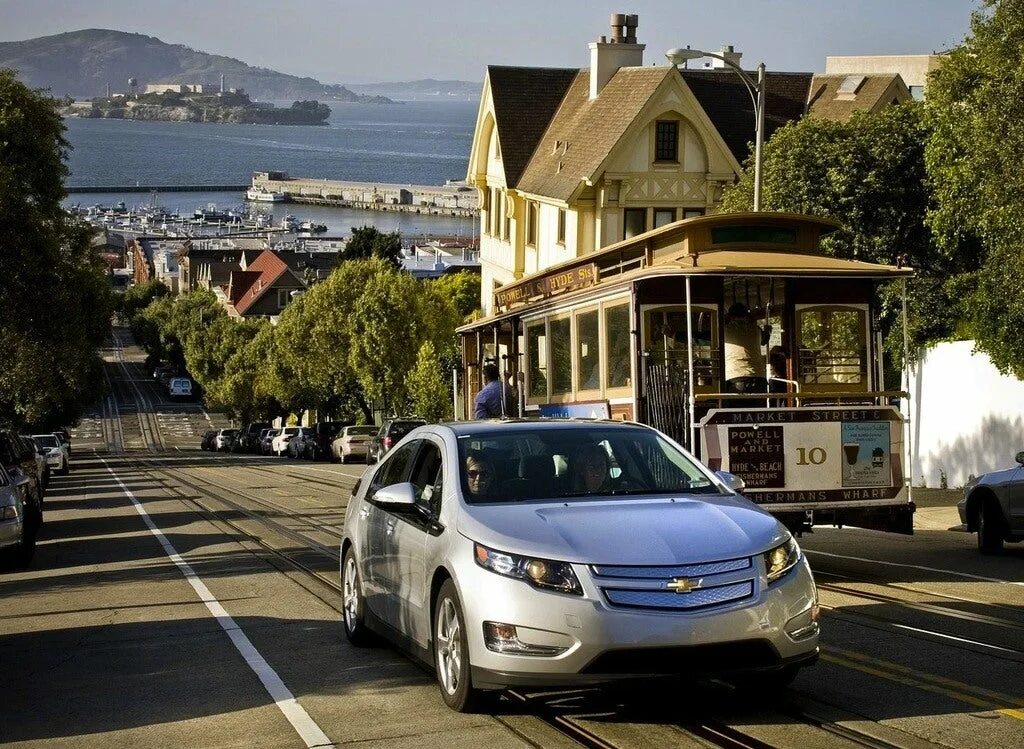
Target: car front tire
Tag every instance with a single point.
(451, 654)
(353, 605)
(990, 528)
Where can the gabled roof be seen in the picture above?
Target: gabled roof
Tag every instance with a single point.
(525, 100)
(261, 274)
(727, 103)
(239, 283)
(584, 130)
(837, 97)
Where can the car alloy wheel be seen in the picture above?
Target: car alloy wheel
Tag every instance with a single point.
(352, 604)
(451, 654)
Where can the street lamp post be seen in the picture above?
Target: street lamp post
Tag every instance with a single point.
(756, 88)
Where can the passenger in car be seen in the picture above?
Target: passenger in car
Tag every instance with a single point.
(589, 469)
(479, 477)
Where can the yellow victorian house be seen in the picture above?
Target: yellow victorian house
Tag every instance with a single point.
(568, 161)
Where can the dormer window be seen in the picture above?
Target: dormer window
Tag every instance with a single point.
(666, 140)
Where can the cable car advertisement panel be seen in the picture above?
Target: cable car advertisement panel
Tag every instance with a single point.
(810, 457)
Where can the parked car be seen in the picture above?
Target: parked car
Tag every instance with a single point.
(267, 439)
(65, 436)
(42, 465)
(224, 440)
(298, 445)
(58, 454)
(560, 554)
(208, 437)
(19, 519)
(250, 436)
(324, 432)
(280, 442)
(993, 507)
(17, 455)
(179, 387)
(353, 442)
(390, 432)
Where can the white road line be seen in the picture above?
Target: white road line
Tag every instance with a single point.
(965, 575)
(304, 725)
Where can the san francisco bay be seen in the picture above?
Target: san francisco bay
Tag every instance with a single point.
(411, 143)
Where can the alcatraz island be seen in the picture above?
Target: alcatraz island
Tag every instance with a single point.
(194, 102)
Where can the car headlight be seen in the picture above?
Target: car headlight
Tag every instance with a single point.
(781, 559)
(540, 573)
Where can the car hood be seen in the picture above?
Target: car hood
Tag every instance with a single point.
(634, 531)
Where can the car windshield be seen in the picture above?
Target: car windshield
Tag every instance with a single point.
(229, 432)
(46, 440)
(360, 431)
(307, 431)
(569, 463)
(273, 432)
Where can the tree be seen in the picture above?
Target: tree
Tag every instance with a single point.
(387, 331)
(463, 289)
(976, 111)
(429, 396)
(55, 302)
(869, 175)
(368, 242)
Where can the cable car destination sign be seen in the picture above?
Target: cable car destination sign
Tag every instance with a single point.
(545, 286)
(792, 456)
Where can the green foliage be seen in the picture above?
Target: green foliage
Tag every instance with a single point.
(137, 298)
(429, 394)
(976, 112)
(55, 302)
(367, 242)
(463, 289)
(869, 175)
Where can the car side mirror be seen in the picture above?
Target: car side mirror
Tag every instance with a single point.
(396, 496)
(1019, 457)
(732, 481)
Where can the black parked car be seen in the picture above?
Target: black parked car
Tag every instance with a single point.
(249, 438)
(324, 432)
(391, 431)
(18, 457)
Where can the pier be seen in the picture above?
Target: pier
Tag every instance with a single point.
(453, 199)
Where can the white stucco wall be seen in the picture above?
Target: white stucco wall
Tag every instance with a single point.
(967, 418)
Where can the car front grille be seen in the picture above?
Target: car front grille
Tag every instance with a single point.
(678, 588)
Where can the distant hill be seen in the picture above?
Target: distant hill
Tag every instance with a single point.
(426, 89)
(80, 64)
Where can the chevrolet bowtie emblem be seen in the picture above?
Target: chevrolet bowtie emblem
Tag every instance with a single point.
(683, 585)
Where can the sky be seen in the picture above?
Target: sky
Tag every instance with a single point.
(342, 41)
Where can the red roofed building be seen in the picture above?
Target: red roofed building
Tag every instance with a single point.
(262, 289)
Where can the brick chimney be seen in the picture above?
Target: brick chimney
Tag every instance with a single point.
(621, 51)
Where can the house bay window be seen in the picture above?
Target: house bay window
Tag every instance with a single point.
(663, 216)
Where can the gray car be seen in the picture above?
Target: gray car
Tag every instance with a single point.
(993, 507)
(19, 523)
(549, 554)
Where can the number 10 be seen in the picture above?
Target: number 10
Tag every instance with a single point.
(815, 456)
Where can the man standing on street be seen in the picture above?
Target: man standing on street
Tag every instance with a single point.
(489, 401)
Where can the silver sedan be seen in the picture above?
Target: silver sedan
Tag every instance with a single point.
(568, 553)
(993, 507)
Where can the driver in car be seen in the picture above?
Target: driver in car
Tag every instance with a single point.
(479, 477)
